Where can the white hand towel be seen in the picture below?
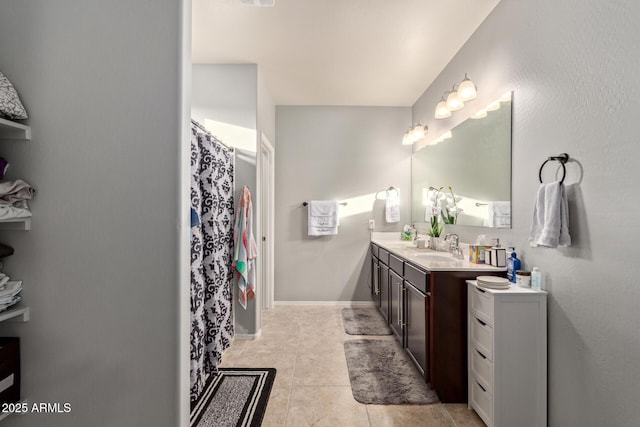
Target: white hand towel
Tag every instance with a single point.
(550, 227)
(498, 214)
(323, 217)
(392, 207)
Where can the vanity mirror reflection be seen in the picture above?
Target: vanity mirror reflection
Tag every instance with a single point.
(475, 160)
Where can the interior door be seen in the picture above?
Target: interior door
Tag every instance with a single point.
(266, 173)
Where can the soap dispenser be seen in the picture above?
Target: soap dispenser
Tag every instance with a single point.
(513, 265)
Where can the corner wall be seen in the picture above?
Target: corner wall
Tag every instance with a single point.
(341, 153)
(572, 69)
(101, 82)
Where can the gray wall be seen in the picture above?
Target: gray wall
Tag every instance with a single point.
(572, 66)
(229, 94)
(335, 153)
(225, 93)
(100, 264)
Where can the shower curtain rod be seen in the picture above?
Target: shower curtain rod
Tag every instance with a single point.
(202, 128)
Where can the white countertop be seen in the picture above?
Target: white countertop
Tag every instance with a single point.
(428, 258)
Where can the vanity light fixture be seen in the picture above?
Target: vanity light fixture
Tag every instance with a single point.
(466, 89)
(479, 114)
(506, 97)
(442, 111)
(415, 134)
(453, 101)
(493, 106)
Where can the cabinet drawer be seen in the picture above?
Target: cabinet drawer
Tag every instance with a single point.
(482, 402)
(482, 304)
(374, 250)
(481, 336)
(396, 264)
(481, 368)
(417, 277)
(383, 255)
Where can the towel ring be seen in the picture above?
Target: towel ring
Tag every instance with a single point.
(562, 158)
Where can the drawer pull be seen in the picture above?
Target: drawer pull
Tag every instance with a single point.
(481, 290)
(480, 385)
(481, 355)
(481, 322)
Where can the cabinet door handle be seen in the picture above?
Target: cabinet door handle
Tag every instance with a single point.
(480, 385)
(481, 355)
(481, 290)
(481, 322)
(377, 282)
(404, 321)
(399, 304)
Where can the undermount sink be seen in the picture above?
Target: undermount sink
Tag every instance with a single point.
(436, 258)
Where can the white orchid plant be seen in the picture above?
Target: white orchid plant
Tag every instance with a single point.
(441, 204)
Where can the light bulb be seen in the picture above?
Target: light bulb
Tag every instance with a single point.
(453, 102)
(418, 132)
(406, 139)
(442, 111)
(493, 106)
(467, 90)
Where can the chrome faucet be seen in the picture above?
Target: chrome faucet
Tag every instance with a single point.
(454, 247)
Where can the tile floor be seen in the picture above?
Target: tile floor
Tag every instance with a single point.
(305, 345)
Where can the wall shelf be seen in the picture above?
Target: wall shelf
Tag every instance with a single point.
(18, 312)
(14, 131)
(23, 224)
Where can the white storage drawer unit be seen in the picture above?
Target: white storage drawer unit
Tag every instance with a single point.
(507, 345)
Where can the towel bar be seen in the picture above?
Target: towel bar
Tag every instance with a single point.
(562, 158)
(307, 203)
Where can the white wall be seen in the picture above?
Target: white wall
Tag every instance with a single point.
(572, 66)
(343, 153)
(101, 81)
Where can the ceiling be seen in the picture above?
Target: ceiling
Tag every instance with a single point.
(338, 52)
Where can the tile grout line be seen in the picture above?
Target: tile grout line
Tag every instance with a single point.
(449, 415)
(295, 361)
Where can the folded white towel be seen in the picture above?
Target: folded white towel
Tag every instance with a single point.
(498, 214)
(550, 227)
(392, 207)
(323, 217)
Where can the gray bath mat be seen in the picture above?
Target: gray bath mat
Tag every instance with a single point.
(381, 373)
(234, 397)
(364, 321)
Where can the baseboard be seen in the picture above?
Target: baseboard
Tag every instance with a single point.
(328, 303)
(248, 336)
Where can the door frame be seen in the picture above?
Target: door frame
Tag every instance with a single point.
(265, 177)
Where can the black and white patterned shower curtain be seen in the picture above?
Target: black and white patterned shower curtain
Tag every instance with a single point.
(211, 255)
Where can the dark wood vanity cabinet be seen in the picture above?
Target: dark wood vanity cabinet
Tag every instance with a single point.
(427, 312)
(396, 303)
(385, 297)
(416, 319)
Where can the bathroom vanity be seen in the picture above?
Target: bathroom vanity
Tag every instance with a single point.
(423, 295)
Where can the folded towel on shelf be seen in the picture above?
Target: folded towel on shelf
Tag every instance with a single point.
(11, 289)
(323, 219)
(392, 207)
(18, 210)
(14, 300)
(15, 191)
(550, 227)
(498, 214)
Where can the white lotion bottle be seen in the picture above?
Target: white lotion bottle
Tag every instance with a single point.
(536, 279)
